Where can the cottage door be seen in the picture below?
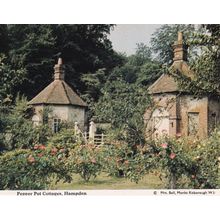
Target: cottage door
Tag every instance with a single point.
(160, 122)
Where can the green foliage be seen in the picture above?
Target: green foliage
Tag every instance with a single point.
(172, 157)
(164, 37)
(143, 54)
(94, 82)
(31, 169)
(4, 39)
(120, 160)
(205, 66)
(10, 79)
(64, 138)
(85, 160)
(185, 163)
(206, 157)
(123, 105)
(17, 127)
(84, 49)
(149, 73)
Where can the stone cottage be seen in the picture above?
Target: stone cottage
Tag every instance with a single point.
(63, 104)
(177, 112)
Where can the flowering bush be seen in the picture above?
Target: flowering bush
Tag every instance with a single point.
(120, 160)
(32, 169)
(64, 138)
(86, 161)
(173, 159)
(187, 163)
(206, 157)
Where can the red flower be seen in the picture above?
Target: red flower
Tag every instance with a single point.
(193, 176)
(36, 147)
(31, 159)
(42, 147)
(172, 156)
(93, 161)
(53, 151)
(40, 155)
(164, 145)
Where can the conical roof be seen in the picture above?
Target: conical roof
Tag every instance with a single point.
(58, 92)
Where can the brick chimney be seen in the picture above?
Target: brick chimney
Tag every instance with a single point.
(180, 49)
(58, 70)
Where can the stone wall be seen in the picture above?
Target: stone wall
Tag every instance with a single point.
(181, 108)
(189, 104)
(66, 113)
(169, 103)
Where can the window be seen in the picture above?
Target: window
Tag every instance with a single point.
(193, 123)
(56, 125)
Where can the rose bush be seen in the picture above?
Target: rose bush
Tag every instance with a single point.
(24, 169)
(206, 155)
(173, 161)
(121, 161)
(85, 160)
(187, 163)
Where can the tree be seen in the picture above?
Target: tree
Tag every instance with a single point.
(164, 37)
(4, 40)
(10, 79)
(17, 128)
(84, 48)
(142, 55)
(205, 66)
(123, 105)
(149, 73)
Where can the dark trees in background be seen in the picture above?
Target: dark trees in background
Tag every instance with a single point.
(36, 48)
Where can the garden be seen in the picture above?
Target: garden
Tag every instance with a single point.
(62, 160)
(115, 87)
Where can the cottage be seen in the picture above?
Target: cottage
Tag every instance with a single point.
(177, 111)
(63, 103)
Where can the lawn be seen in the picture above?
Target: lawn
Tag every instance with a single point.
(103, 181)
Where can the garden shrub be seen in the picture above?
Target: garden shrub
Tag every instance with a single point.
(120, 160)
(173, 160)
(86, 161)
(206, 157)
(64, 138)
(24, 169)
(18, 130)
(187, 163)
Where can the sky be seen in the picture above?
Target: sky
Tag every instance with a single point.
(124, 37)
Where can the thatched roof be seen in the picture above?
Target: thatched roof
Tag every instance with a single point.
(58, 92)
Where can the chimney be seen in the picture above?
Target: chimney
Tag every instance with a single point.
(58, 70)
(180, 49)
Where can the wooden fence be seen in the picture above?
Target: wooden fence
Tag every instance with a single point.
(91, 137)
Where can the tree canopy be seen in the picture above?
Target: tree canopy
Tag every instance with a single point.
(35, 48)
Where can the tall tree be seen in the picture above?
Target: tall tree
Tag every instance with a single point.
(84, 48)
(163, 39)
(206, 66)
(4, 40)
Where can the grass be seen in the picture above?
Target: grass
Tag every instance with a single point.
(105, 182)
